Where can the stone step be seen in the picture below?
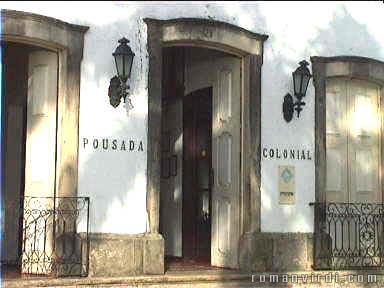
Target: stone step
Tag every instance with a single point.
(200, 284)
(183, 279)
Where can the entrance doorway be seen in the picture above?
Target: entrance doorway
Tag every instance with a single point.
(42, 78)
(200, 148)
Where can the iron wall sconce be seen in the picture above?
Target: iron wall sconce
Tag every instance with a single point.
(118, 87)
(301, 77)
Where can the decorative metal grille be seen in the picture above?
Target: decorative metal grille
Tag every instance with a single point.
(349, 236)
(55, 236)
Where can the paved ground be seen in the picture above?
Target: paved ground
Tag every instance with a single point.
(207, 278)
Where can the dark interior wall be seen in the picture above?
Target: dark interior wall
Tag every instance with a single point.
(171, 155)
(197, 164)
(195, 232)
(16, 85)
(173, 73)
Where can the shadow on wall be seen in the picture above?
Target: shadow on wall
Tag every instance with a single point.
(112, 151)
(114, 176)
(345, 36)
(98, 64)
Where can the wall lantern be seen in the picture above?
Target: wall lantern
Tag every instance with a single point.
(301, 78)
(117, 86)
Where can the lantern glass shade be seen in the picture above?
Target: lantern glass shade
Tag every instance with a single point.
(301, 78)
(123, 59)
(296, 83)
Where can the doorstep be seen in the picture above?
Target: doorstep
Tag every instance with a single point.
(203, 278)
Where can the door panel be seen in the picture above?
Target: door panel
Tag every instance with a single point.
(364, 152)
(336, 121)
(41, 124)
(223, 218)
(40, 162)
(353, 142)
(226, 162)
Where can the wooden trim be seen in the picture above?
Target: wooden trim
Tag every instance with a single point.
(245, 200)
(381, 98)
(254, 122)
(352, 67)
(204, 33)
(154, 129)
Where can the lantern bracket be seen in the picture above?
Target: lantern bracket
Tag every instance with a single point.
(118, 88)
(301, 77)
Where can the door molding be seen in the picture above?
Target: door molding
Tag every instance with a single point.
(230, 39)
(349, 67)
(68, 41)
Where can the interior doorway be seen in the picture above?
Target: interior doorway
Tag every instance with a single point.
(197, 177)
(201, 154)
(16, 79)
(31, 75)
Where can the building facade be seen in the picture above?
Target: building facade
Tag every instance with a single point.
(201, 161)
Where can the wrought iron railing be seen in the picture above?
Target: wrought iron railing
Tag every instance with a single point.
(55, 236)
(349, 236)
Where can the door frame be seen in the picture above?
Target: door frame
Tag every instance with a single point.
(67, 40)
(230, 39)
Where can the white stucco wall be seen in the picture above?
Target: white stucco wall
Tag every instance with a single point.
(116, 181)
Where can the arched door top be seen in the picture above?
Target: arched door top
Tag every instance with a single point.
(348, 66)
(208, 33)
(43, 31)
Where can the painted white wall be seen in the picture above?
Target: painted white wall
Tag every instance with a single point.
(116, 181)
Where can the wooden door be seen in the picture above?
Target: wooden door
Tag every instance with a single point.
(353, 169)
(337, 140)
(40, 163)
(226, 163)
(364, 143)
(353, 142)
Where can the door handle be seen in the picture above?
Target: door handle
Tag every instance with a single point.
(212, 177)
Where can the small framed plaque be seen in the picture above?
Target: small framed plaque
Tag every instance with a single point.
(287, 189)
